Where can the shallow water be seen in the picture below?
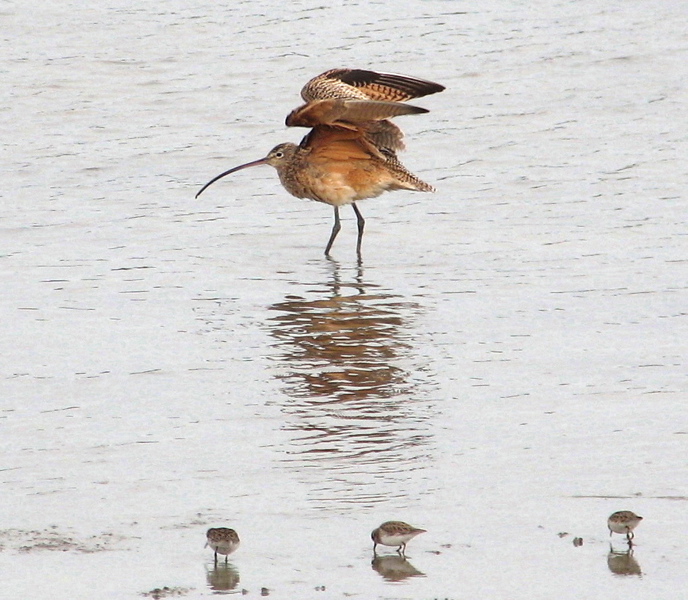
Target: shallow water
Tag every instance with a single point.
(504, 367)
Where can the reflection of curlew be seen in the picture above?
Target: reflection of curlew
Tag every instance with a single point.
(623, 563)
(395, 568)
(344, 347)
(346, 359)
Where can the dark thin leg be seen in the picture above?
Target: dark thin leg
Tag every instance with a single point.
(361, 224)
(335, 230)
(215, 558)
(374, 546)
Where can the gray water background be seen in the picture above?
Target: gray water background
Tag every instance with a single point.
(505, 365)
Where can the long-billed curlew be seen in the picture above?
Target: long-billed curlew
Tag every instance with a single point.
(350, 152)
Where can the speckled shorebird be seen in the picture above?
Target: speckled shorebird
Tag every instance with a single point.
(394, 533)
(222, 540)
(623, 521)
(350, 152)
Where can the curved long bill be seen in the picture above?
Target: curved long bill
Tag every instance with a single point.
(254, 163)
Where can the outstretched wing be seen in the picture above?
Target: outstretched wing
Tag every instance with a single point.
(362, 84)
(347, 151)
(335, 144)
(347, 113)
(361, 101)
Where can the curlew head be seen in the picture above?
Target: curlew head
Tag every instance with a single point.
(278, 157)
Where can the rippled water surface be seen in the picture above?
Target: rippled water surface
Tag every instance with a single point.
(504, 366)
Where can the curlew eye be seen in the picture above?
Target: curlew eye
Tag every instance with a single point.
(279, 154)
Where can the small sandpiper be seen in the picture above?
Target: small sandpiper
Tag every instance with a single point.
(623, 521)
(394, 533)
(222, 540)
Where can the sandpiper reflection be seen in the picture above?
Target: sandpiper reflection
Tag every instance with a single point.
(345, 356)
(394, 568)
(622, 562)
(222, 577)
